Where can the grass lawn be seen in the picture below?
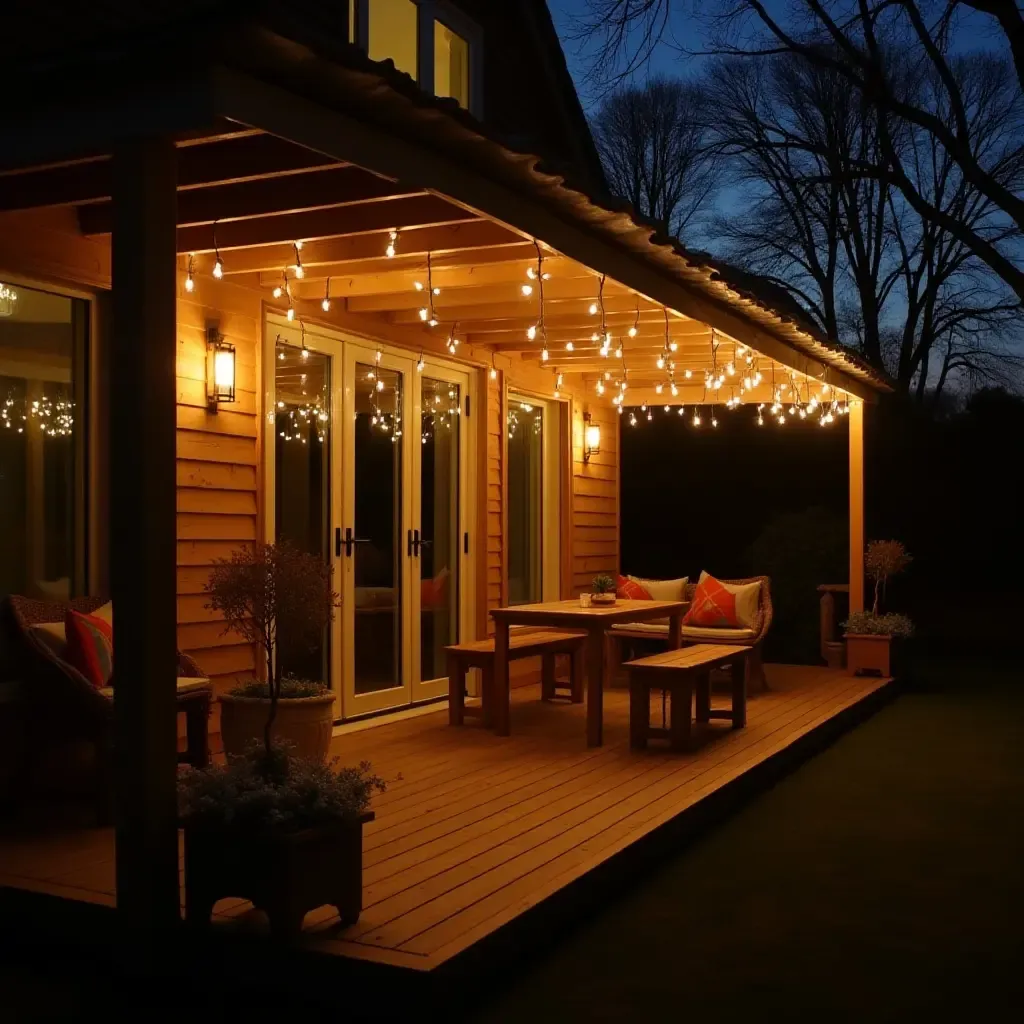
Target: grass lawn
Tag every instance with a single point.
(881, 881)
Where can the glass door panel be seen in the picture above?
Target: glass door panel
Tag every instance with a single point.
(302, 477)
(439, 494)
(525, 500)
(377, 467)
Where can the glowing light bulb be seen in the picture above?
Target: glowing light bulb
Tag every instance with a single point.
(688, 374)
(290, 314)
(380, 385)
(661, 363)
(424, 313)
(280, 355)
(218, 267)
(600, 387)
(419, 365)
(392, 241)
(278, 292)
(696, 419)
(527, 289)
(300, 271)
(418, 285)
(592, 309)
(543, 355)
(532, 332)
(618, 352)
(494, 373)
(568, 346)
(675, 390)
(673, 346)
(681, 410)
(632, 332)
(325, 305)
(531, 273)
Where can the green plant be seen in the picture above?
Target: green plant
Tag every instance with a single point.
(291, 689)
(603, 585)
(883, 560)
(892, 624)
(274, 792)
(271, 590)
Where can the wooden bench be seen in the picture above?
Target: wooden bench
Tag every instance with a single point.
(548, 643)
(681, 673)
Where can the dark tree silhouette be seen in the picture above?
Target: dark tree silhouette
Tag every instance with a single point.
(652, 142)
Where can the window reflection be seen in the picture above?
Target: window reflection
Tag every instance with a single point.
(451, 64)
(393, 33)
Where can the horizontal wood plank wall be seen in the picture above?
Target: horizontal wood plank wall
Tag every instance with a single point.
(595, 497)
(218, 461)
(494, 495)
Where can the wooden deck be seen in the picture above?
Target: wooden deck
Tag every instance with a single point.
(476, 831)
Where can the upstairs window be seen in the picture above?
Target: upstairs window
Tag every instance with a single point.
(451, 64)
(393, 33)
(430, 40)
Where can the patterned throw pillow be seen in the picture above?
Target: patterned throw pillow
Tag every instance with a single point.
(90, 647)
(629, 590)
(713, 605)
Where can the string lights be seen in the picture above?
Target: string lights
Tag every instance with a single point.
(453, 341)
(218, 263)
(539, 329)
(392, 246)
(325, 303)
(300, 271)
(427, 313)
(53, 415)
(190, 281)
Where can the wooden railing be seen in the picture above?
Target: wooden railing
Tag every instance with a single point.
(833, 650)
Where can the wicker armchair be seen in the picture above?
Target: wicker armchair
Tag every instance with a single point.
(756, 682)
(61, 704)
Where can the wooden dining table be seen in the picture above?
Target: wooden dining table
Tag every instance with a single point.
(595, 620)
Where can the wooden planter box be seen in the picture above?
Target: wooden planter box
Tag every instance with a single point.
(602, 599)
(285, 876)
(870, 653)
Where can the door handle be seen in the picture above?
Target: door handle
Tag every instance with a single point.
(416, 543)
(348, 541)
(337, 542)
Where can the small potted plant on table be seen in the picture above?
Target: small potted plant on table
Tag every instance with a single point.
(873, 637)
(602, 590)
(264, 593)
(271, 826)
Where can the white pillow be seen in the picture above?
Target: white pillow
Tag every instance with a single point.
(664, 590)
(106, 613)
(748, 600)
(53, 635)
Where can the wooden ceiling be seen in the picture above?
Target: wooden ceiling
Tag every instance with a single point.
(249, 197)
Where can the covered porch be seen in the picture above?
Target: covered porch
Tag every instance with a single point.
(244, 198)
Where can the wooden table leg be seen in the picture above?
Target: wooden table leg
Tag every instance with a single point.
(675, 627)
(739, 691)
(547, 676)
(680, 704)
(487, 694)
(703, 700)
(456, 690)
(499, 689)
(576, 673)
(639, 711)
(595, 687)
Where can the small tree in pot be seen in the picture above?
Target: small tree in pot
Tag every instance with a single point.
(266, 592)
(282, 830)
(870, 635)
(602, 590)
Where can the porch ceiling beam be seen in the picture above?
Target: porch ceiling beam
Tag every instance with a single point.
(338, 134)
(576, 292)
(202, 163)
(451, 272)
(468, 240)
(581, 337)
(643, 393)
(362, 219)
(571, 313)
(326, 189)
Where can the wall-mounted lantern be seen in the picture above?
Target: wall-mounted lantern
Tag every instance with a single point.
(220, 369)
(591, 437)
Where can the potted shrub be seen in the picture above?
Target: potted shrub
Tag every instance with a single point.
(602, 590)
(266, 592)
(281, 831)
(871, 636)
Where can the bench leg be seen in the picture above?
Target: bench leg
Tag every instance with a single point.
(680, 701)
(487, 695)
(639, 713)
(704, 695)
(456, 690)
(576, 673)
(547, 676)
(500, 687)
(739, 692)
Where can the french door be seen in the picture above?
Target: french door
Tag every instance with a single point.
(382, 493)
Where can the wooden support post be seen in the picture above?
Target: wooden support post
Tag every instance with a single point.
(856, 421)
(143, 524)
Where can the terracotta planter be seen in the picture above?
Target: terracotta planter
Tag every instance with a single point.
(305, 722)
(869, 653)
(602, 599)
(285, 876)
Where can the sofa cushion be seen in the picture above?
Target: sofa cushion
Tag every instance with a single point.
(53, 635)
(717, 634)
(630, 589)
(664, 590)
(90, 647)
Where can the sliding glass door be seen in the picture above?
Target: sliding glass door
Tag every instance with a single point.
(368, 468)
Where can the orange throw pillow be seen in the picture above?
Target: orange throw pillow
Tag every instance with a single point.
(90, 647)
(630, 590)
(712, 605)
